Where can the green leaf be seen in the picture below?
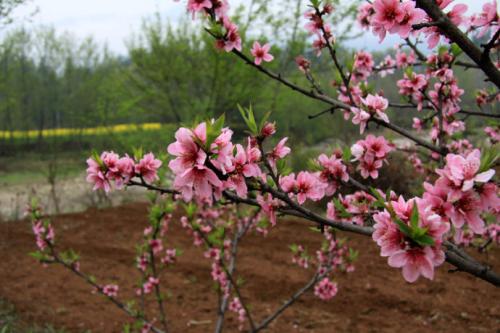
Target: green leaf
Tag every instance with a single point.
(315, 3)
(249, 119)
(409, 71)
(240, 281)
(343, 213)
(126, 328)
(282, 167)
(213, 130)
(37, 255)
(96, 157)
(263, 120)
(414, 216)
(294, 248)
(404, 228)
(138, 152)
(377, 195)
(489, 158)
(353, 254)
(315, 229)
(425, 240)
(388, 195)
(346, 154)
(442, 50)
(455, 50)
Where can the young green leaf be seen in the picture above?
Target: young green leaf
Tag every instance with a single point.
(404, 228)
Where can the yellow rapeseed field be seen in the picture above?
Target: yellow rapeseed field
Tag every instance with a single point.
(101, 130)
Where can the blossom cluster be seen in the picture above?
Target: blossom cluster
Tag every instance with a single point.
(110, 290)
(333, 256)
(371, 106)
(44, 233)
(352, 208)
(325, 289)
(152, 254)
(399, 17)
(236, 307)
(317, 26)
(109, 168)
(371, 153)
(463, 192)
(199, 165)
(410, 235)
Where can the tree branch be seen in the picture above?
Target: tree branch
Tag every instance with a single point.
(456, 35)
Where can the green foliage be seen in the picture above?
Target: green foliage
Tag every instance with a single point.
(489, 158)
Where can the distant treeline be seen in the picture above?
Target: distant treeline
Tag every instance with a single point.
(170, 75)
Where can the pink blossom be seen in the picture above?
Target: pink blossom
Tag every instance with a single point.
(287, 183)
(198, 180)
(363, 65)
(148, 286)
(412, 16)
(243, 165)
(488, 195)
(468, 209)
(268, 129)
(356, 94)
(375, 105)
(325, 289)
(303, 64)
(96, 176)
(369, 167)
(188, 153)
(279, 152)
(232, 39)
(402, 252)
(386, 234)
(464, 171)
(415, 262)
(388, 13)
(493, 133)
(222, 147)
(370, 153)
(365, 13)
(417, 124)
(142, 262)
(261, 53)
(110, 290)
(170, 257)
(308, 187)
(377, 146)
(126, 169)
(456, 15)
(486, 18)
(269, 206)
(198, 5)
(388, 66)
(411, 84)
(360, 118)
(334, 171)
(156, 246)
(403, 59)
(148, 167)
(305, 186)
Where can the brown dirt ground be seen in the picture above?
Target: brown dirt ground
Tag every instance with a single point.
(374, 298)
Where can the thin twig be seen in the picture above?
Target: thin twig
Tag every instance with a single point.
(287, 303)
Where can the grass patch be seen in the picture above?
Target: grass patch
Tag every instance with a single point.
(11, 323)
(34, 168)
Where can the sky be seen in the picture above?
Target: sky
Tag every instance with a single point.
(113, 21)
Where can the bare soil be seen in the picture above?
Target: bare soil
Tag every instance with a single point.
(374, 298)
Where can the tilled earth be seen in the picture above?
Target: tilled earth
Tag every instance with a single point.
(374, 298)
